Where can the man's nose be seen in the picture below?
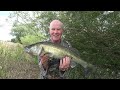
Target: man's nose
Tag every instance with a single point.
(55, 31)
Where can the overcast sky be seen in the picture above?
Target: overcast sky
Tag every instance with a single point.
(5, 26)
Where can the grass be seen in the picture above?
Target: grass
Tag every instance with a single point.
(15, 63)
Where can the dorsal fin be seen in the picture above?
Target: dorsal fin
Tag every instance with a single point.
(34, 44)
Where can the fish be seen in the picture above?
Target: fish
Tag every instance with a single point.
(56, 51)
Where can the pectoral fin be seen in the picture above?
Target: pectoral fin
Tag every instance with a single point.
(42, 52)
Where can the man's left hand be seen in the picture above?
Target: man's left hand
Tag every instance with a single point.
(65, 63)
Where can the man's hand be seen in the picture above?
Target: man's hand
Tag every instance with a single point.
(65, 63)
(44, 60)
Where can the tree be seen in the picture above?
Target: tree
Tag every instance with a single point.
(95, 34)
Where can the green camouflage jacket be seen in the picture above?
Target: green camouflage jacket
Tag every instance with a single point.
(53, 71)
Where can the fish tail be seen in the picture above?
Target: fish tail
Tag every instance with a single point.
(89, 69)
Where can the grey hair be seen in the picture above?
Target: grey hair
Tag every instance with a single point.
(62, 26)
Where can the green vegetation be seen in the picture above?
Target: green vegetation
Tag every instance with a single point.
(15, 63)
(95, 34)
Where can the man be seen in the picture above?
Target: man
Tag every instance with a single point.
(55, 69)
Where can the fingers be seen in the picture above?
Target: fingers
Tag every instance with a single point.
(64, 64)
(44, 58)
(67, 60)
(61, 64)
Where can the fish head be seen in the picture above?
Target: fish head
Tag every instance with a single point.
(36, 50)
(40, 50)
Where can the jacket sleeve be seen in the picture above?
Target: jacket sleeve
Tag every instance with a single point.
(43, 72)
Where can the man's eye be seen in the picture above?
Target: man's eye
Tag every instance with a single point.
(58, 29)
(53, 29)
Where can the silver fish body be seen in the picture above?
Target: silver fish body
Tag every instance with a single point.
(56, 51)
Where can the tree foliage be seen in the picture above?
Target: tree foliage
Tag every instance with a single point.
(95, 34)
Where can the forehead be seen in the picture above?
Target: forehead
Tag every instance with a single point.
(56, 24)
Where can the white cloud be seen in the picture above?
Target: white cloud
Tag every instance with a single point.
(5, 27)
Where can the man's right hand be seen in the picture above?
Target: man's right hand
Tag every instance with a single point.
(44, 60)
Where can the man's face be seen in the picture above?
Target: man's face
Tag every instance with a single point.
(55, 31)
